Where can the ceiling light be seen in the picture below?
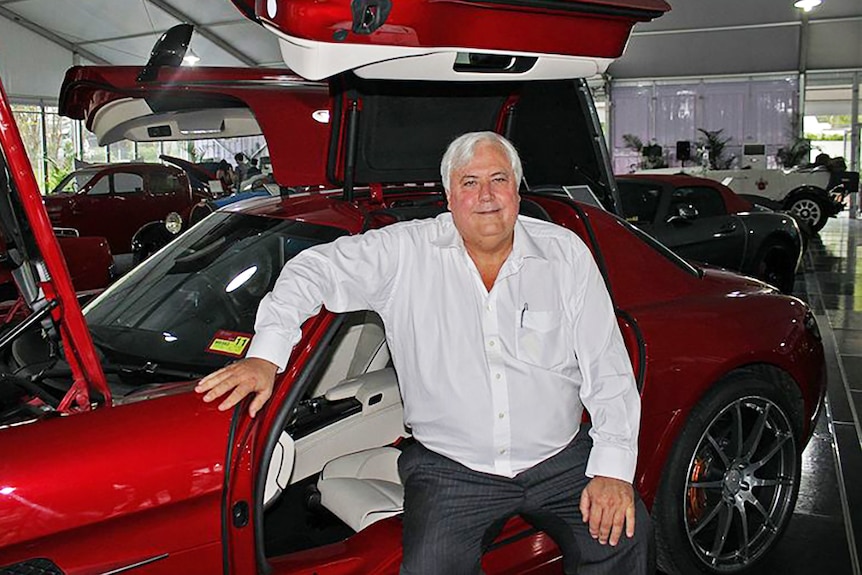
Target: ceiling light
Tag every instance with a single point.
(191, 59)
(240, 279)
(807, 5)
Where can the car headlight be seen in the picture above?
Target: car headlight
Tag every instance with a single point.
(174, 223)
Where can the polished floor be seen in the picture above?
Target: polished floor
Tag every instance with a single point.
(825, 533)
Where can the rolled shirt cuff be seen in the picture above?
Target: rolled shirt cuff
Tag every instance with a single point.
(273, 347)
(610, 461)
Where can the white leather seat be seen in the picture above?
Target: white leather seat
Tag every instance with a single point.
(363, 487)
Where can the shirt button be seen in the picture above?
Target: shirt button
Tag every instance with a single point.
(489, 307)
(497, 376)
(502, 452)
(491, 343)
(501, 415)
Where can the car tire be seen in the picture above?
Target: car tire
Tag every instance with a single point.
(775, 264)
(809, 208)
(722, 504)
(200, 211)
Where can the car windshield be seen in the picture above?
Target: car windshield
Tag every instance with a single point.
(192, 306)
(74, 182)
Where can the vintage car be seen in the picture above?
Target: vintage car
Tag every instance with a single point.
(703, 220)
(119, 201)
(731, 372)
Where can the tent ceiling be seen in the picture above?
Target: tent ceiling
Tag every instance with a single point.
(124, 31)
(698, 37)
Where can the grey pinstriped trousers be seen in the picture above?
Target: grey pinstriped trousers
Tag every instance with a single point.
(450, 511)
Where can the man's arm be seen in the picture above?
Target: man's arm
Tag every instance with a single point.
(610, 395)
(349, 274)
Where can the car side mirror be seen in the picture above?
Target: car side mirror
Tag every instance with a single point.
(682, 213)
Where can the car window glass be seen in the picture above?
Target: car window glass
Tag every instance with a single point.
(639, 201)
(204, 288)
(706, 201)
(100, 187)
(128, 183)
(163, 183)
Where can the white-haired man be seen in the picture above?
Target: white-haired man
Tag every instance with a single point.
(517, 335)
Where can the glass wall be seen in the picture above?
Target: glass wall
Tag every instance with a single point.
(649, 118)
(828, 121)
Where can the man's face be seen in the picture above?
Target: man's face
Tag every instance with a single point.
(483, 197)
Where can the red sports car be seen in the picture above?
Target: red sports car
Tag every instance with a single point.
(109, 462)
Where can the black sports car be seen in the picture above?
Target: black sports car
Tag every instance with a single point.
(705, 221)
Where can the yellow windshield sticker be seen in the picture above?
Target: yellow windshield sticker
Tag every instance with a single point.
(229, 343)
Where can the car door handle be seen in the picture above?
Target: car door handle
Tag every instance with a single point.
(727, 229)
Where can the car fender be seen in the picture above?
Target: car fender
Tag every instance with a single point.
(808, 189)
(760, 228)
(148, 478)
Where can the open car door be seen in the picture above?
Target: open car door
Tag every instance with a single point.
(198, 103)
(406, 78)
(425, 39)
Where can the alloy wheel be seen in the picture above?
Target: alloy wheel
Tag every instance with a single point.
(739, 484)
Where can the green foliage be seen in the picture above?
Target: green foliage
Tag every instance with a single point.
(715, 144)
(633, 142)
(794, 154)
(825, 137)
(652, 155)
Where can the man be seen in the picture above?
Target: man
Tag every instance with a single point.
(499, 328)
(241, 170)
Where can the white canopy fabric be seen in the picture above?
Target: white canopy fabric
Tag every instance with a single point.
(40, 39)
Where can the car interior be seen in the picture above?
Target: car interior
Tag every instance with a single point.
(333, 471)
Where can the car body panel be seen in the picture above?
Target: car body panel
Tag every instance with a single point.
(118, 482)
(88, 260)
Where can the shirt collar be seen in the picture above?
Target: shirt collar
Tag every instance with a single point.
(524, 246)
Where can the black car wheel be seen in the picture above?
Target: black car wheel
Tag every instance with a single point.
(775, 264)
(730, 484)
(809, 208)
(200, 211)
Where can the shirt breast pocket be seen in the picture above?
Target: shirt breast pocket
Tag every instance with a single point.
(541, 339)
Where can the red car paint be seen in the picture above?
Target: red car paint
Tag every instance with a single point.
(168, 484)
(590, 28)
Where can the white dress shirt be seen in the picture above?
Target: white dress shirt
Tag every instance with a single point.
(494, 380)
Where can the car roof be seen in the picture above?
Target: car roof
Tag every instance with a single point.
(733, 201)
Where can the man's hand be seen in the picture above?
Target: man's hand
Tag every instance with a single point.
(608, 505)
(250, 375)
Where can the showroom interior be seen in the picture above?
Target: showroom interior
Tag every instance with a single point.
(730, 86)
